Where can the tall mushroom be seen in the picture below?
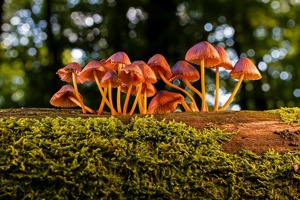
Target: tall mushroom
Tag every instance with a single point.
(132, 76)
(94, 71)
(204, 55)
(150, 79)
(226, 63)
(70, 73)
(244, 69)
(188, 73)
(166, 102)
(65, 97)
(110, 80)
(118, 61)
(162, 70)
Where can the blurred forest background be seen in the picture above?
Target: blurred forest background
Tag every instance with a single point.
(40, 36)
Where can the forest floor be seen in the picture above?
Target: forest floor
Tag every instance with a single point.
(257, 131)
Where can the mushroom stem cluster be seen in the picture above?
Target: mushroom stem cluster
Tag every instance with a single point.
(134, 82)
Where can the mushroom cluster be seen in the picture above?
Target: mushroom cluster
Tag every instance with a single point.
(138, 78)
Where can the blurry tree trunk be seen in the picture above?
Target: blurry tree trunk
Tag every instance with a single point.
(117, 27)
(162, 22)
(45, 76)
(54, 52)
(1, 20)
(1, 13)
(161, 30)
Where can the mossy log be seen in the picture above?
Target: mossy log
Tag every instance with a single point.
(257, 131)
(62, 154)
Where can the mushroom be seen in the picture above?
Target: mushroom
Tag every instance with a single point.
(165, 102)
(188, 73)
(204, 55)
(150, 79)
(108, 81)
(244, 69)
(226, 63)
(94, 71)
(132, 76)
(162, 70)
(70, 73)
(66, 97)
(148, 90)
(117, 61)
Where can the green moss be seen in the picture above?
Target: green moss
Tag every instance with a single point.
(95, 158)
(288, 115)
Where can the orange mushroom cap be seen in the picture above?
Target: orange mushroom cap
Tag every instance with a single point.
(118, 58)
(147, 88)
(203, 50)
(65, 73)
(164, 102)
(225, 61)
(183, 69)
(131, 74)
(61, 97)
(245, 66)
(147, 71)
(87, 73)
(159, 63)
(112, 77)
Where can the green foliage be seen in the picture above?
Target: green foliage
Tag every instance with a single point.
(94, 158)
(288, 115)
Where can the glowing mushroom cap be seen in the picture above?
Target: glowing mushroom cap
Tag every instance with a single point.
(203, 50)
(61, 97)
(245, 66)
(131, 74)
(225, 61)
(164, 102)
(110, 77)
(184, 70)
(118, 58)
(87, 74)
(148, 73)
(159, 63)
(65, 73)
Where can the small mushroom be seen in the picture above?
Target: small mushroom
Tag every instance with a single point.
(204, 55)
(166, 102)
(66, 98)
(162, 70)
(108, 81)
(148, 90)
(132, 76)
(188, 73)
(147, 87)
(70, 73)
(94, 71)
(226, 63)
(117, 61)
(244, 69)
